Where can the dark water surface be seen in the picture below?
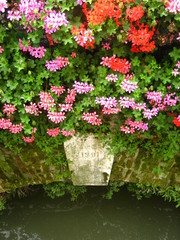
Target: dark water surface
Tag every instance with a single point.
(38, 217)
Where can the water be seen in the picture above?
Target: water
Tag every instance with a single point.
(38, 217)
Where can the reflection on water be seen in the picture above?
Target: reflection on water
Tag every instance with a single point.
(38, 217)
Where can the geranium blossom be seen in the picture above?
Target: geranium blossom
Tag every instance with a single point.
(68, 133)
(92, 118)
(5, 123)
(129, 86)
(133, 125)
(14, 15)
(9, 109)
(70, 98)
(1, 49)
(82, 87)
(32, 109)
(15, 128)
(53, 132)
(58, 90)
(54, 20)
(46, 101)
(58, 64)
(28, 139)
(56, 117)
(3, 5)
(66, 107)
(37, 52)
(107, 102)
(112, 77)
(173, 6)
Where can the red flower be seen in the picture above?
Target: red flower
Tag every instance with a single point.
(176, 122)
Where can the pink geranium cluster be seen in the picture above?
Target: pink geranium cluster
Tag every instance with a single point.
(111, 110)
(127, 102)
(58, 90)
(5, 123)
(149, 113)
(68, 133)
(176, 70)
(129, 86)
(9, 109)
(32, 109)
(37, 52)
(28, 139)
(15, 128)
(66, 107)
(56, 117)
(173, 6)
(80, 2)
(154, 97)
(46, 101)
(53, 132)
(83, 37)
(81, 87)
(112, 77)
(116, 64)
(107, 102)
(3, 5)
(57, 64)
(54, 20)
(1, 49)
(14, 15)
(32, 9)
(133, 125)
(170, 99)
(92, 118)
(70, 98)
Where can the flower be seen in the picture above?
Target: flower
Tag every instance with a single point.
(28, 139)
(58, 90)
(9, 109)
(53, 132)
(56, 117)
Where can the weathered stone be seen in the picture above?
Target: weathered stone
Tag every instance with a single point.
(89, 161)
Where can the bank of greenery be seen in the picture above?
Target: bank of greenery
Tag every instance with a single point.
(108, 67)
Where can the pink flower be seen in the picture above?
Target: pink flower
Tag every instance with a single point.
(1, 49)
(71, 96)
(73, 55)
(14, 15)
(37, 52)
(56, 117)
(32, 109)
(170, 99)
(129, 86)
(154, 97)
(22, 47)
(106, 46)
(107, 102)
(126, 102)
(173, 6)
(53, 132)
(81, 87)
(175, 72)
(9, 109)
(3, 5)
(149, 113)
(46, 101)
(112, 77)
(28, 139)
(58, 90)
(178, 64)
(133, 125)
(92, 118)
(58, 64)
(15, 128)
(54, 20)
(80, 2)
(113, 110)
(66, 107)
(68, 133)
(5, 123)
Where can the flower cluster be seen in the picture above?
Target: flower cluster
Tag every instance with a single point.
(111, 110)
(173, 6)
(58, 90)
(80, 2)
(133, 125)
(68, 133)
(32, 109)
(57, 64)
(116, 64)
(107, 102)
(14, 15)
(5, 123)
(54, 20)
(176, 70)
(70, 98)
(112, 77)
(46, 101)
(149, 113)
(28, 139)
(154, 97)
(15, 128)
(3, 5)
(83, 37)
(66, 107)
(92, 118)
(135, 13)
(9, 109)
(1, 49)
(129, 86)
(102, 10)
(141, 38)
(56, 117)
(53, 132)
(81, 87)
(127, 102)
(37, 52)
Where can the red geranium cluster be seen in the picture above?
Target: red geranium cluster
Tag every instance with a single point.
(102, 9)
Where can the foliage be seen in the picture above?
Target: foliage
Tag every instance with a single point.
(66, 69)
(59, 189)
